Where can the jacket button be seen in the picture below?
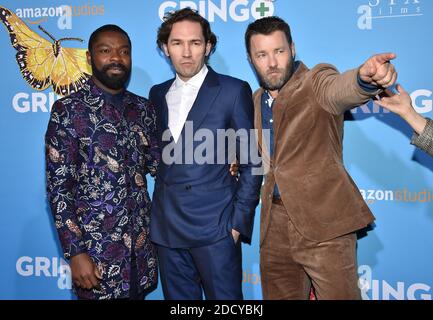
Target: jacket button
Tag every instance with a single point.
(188, 187)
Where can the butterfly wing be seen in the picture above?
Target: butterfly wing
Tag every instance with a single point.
(40, 66)
(70, 71)
(34, 52)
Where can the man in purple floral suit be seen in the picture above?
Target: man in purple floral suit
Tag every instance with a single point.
(100, 144)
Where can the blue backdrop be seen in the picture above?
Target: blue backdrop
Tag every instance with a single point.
(395, 260)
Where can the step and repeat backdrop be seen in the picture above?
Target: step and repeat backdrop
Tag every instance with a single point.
(396, 180)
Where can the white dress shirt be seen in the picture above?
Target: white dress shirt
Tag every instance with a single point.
(180, 98)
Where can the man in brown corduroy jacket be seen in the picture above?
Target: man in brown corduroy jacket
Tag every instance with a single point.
(311, 208)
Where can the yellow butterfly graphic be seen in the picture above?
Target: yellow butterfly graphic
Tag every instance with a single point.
(43, 63)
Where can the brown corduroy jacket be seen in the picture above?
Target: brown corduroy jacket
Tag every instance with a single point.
(319, 195)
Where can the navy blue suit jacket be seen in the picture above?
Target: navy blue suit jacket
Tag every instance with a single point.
(198, 204)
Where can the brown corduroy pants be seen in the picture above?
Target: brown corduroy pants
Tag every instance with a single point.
(290, 263)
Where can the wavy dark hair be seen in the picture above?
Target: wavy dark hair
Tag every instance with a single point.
(186, 14)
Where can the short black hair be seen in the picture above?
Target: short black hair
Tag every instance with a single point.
(266, 26)
(188, 14)
(106, 28)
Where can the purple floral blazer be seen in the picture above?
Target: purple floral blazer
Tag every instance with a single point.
(97, 156)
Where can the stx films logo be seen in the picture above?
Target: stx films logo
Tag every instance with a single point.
(225, 10)
(386, 9)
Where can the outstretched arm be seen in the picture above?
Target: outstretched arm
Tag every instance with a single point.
(337, 93)
(378, 70)
(401, 104)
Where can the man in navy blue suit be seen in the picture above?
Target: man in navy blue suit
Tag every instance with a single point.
(200, 212)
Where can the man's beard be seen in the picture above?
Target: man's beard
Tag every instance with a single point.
(115, 81)
(277, 84)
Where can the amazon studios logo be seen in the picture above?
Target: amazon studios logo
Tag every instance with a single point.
(236, 10)
(63, 13)
(401, 195)
(40, 15)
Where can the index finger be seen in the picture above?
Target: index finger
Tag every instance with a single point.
(386, 93)
(385, 57)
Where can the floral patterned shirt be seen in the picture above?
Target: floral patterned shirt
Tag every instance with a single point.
(97, 156)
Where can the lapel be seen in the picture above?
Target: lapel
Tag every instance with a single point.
(263, 147)
(205, 99)
(258, 116)
(202, 105)
(162, 114)
(285, 95)
(164, 108)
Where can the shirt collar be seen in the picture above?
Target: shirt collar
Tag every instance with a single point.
(268, 98)
(196, 81)
(115, 99)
